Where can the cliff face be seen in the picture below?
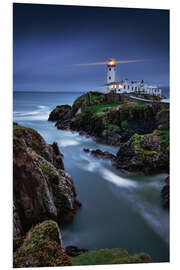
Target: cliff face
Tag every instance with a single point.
(110, 119)
(41, 188)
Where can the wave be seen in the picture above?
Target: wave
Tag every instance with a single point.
(41, 113)
(25, 113)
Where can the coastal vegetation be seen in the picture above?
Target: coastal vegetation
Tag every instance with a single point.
(42, 246)
(109, 256)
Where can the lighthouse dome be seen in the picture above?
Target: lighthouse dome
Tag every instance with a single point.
(111, 63)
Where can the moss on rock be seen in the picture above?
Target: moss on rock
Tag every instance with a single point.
(41, 247)
(147, 153)
(109, 256)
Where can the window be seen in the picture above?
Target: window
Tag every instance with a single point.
(128, 86)
(124, 87)
(109, 78)
(109, 69)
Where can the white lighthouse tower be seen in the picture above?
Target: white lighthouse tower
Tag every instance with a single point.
(111, 71)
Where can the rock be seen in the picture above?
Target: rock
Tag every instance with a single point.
(41, 188)
(61, 113)
(165, 192)
(147, 153)
(42, 247)
(86, 150)
(75, 251)
(162, 119)
(100, 154)
(110, 118)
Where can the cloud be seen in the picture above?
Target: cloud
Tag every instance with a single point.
(117, 62)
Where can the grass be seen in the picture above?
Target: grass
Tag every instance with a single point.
(100, 109)
(109, 256)
(113, 127)
(124, 124)
(164, 140)
(95, 98)
(135, 106)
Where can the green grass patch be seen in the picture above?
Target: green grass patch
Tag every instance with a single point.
(100, 109)
(124, 124)
(113, 127)
(164, 140)
(109, 256)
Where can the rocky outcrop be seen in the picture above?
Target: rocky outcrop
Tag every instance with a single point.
(62, 112)
(42, 247)
(165, 192)
(145, 153)
(75, 251)
(110, 118)
(41, 188)
(100, 154)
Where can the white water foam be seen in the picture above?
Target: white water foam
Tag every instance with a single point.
(117, 180)
(68, 143)
(41, 113)
(92, 164)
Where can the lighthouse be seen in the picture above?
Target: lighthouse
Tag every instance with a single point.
(111, 71)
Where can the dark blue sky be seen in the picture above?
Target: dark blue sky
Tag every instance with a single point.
(49, 39)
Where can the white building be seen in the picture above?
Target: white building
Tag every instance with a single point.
(125, 86)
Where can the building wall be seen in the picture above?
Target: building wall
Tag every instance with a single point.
(134, 87)
(111, 74)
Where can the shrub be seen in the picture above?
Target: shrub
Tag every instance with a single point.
(124, 124)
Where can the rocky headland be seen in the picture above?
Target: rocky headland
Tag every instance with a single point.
(140, 129)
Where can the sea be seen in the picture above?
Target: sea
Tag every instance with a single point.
(118, 210)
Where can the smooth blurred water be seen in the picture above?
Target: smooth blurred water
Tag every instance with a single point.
(118, 210)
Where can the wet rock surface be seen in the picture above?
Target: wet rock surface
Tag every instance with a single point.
(41, 188)
(75, 251)
(165, 193)
(100, 154)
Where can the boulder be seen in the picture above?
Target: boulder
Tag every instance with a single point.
(62, 113)
(147, 153)
(75, 251)
(100, 154)
(42, 247)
